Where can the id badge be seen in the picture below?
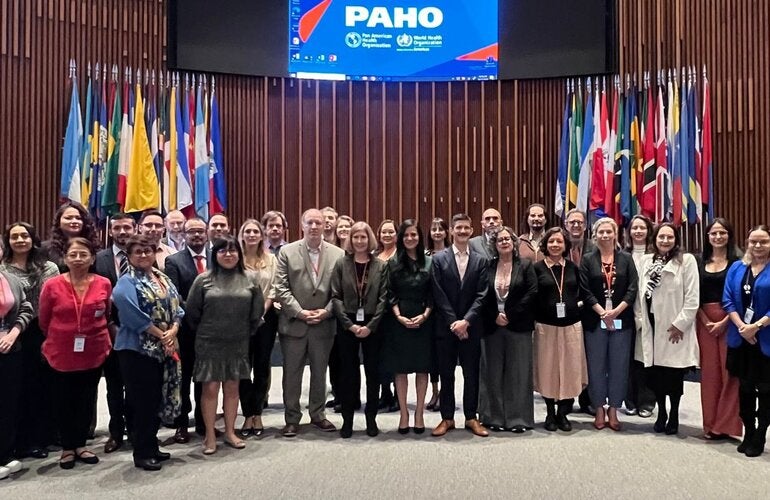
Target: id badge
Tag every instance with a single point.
(80, 344)
(607, 304)
(360, 314)
(748, 315)
(561, 310)
(98, 313)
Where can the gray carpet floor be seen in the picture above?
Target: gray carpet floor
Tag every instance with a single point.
(634, 463)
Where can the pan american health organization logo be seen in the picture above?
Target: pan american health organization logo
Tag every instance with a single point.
(353, 40)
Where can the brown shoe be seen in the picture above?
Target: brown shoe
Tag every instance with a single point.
(182, 436)
(475, 427)
(289, 430)
(324, 425)
(112, 445)
(443, 427)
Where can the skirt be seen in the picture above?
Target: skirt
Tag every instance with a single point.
(749, 363)
(560, 361)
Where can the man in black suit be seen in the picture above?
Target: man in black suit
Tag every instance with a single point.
(459, 287)
(182, 268)
(491, 220)
(112, 263)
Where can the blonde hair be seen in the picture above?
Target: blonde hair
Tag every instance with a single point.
(601, 222)
(748, 257)
(361, 226)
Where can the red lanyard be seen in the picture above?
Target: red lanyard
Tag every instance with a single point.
(78, 305)
(360, 285)
(609, 275)
(559, 284)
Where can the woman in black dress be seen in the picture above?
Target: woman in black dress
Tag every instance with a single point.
(439, 240)
(408, 341)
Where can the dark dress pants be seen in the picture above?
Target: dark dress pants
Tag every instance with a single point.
(35, 416)
(74, 401)
(187, 355)
(120, 417)
(348, 346)
(143, 377)
(449, 348)
(11, 376)
(253, 393)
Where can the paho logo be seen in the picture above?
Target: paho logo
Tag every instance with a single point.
(409, 17)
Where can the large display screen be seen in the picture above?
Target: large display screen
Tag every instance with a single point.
(387, 40)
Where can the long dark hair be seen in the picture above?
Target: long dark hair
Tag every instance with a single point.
(676, 250)
(59, 239)
(630, 241)
(35, 259)
(401, 255)
(229, 242)
(443, 225)
(732, 249)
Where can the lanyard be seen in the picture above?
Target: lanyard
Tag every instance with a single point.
(317, 264)
(78, 304)
(559, 284)
(749, 288)
(608, 276)
(361, 285)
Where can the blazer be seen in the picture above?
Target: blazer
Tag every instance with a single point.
(104, 265)
(732, 301)
(454, 299)
(522, 291)
(21, 314)
(593, 282)
(181, 269)
(479, 244)
(345, 292)
(675, 302)
(295, 290)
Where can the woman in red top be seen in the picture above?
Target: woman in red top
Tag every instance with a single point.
(74, 310)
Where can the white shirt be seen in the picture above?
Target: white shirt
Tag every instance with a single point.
(461, 259)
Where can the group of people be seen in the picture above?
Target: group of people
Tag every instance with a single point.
(176, 303)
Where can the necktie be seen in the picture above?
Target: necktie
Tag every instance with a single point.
(122, 263)
(199, 264)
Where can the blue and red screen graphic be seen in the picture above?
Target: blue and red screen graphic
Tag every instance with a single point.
(388, 40)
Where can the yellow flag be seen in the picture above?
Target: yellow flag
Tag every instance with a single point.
(142, 186)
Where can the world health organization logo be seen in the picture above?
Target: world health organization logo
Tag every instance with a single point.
(404, 40)
(353, 40)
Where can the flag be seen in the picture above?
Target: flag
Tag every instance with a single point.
(601, 155)
(218, 194)
(188, 124)
(126, 138)
(169, 191)
(674, 144)
(635, 156)
(612, 198)
(70, 187)
(587, 152)
(202, 196)
(648, 195)
(152, 134)
(183, 186)
(685, 150)
(624, 196)
(662, 177)
(109, 200)
(99, 150)
(85, 151)
(573, 165)
(142, 191)
(707, 187)
(561, 176)
(694, 205)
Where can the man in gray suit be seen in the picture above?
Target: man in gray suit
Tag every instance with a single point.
(491, 220)
(306, 325)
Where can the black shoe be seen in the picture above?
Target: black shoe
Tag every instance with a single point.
(660, 423)
(346, 431)
(672, 427)
(403, 430)
(150, 464)
(92, 460)
(550, 423)
(394, 407)
(162, 456)
(419, 430)
(519, 429)
(38, 453)
(332, 403)
(338, 408)
(562, 423)
(748, 435)
(371, 426)
(757, 444)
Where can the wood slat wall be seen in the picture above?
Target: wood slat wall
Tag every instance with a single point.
(376, 150)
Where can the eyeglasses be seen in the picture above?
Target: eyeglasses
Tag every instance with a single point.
(142, 252)
(504, 240)
(575, 222)
(225, 251)
(754, 243)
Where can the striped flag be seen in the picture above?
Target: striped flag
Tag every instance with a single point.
(126, 138)
(573, 165)
(624, 196)
(694, 204)
(674, 144)
(109, 200)
(685, 147)
(647, 198)
(601, 154)
(184, 190)
(70, 187)
(202, 196)
(707, 186)
(218, 202)
(612, 198)
(662, 177)
(561, 175)
(587, 151)
(85, 150)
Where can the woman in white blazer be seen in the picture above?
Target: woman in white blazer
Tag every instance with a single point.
(665, 310)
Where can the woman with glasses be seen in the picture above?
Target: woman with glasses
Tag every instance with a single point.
(224, 307)
(718, 389)
(746, 300)
(74, 311)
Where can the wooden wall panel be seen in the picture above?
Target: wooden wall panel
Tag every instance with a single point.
(376, 149)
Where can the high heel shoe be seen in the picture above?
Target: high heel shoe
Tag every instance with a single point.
(433, 403)
(403, 430)
(600, 419)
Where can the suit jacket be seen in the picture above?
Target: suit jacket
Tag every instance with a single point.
(295, 290)
(181, 269)
(522, 291)
(453, 299)
(479, 244)
(104, 265)
(345, 292)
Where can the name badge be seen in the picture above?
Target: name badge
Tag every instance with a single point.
(607, 304)
(616, 324)
(98, 313)
(360, 314)
(748, 315)
(561, 310)
(80, 344)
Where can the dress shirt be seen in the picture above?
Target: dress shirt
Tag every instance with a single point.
(461, 259)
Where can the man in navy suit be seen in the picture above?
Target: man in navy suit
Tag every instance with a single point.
(112, 263)
(182, 268)
(459, 286)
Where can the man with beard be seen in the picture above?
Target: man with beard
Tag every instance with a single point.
(491, 220)
(330, 225)
(529, 240)
(174, 230)
(112, 263)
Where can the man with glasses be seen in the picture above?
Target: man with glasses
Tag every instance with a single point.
(306, 325)
(182, 268)
(151, 224)
(174, 230)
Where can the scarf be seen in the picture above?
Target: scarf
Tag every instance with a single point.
(655, 273)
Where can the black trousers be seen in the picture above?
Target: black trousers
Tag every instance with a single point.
(348, 346)
(143, 377)
(11, 376)
(449, 348)
(639, 394)
(666, 381)
(35, 429)
(120, 416)
(254, 391)
(74, 401)
(187, 355)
